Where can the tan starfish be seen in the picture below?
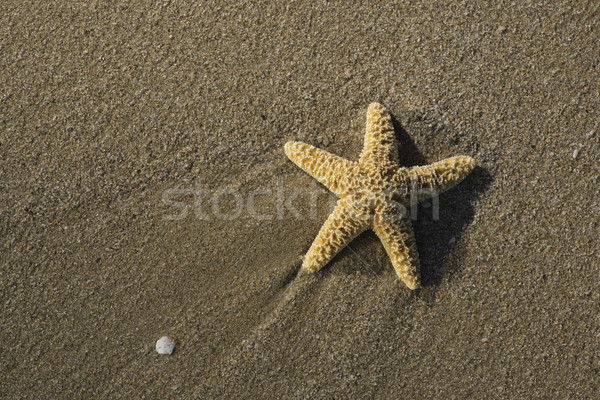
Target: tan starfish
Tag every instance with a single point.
(374, 193)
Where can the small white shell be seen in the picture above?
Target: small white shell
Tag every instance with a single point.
(164, 346)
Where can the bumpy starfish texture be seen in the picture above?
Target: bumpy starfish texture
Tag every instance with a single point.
(374, 193)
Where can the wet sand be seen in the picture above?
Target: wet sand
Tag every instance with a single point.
(131, 133)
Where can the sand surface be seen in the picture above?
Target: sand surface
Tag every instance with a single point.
(107, 109)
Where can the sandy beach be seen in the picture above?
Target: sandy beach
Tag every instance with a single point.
(144, 192)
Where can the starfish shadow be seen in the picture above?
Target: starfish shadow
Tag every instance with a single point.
(436, 237)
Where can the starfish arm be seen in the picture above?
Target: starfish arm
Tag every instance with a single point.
(429, 180)
(332, 171)
(380, 143)
(341, 228)
(396, 234)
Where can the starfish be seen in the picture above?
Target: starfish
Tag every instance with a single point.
(374, 193)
